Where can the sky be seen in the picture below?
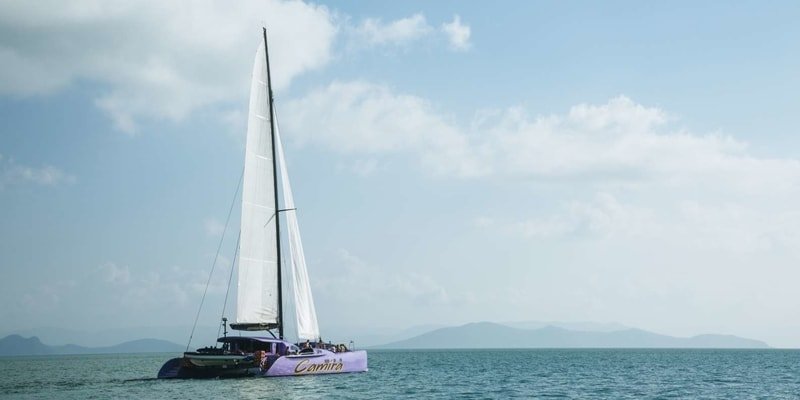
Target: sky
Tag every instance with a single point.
(624, 162)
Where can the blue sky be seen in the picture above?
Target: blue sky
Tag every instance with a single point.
(452, 163)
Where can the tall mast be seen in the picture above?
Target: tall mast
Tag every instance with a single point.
(275, 188)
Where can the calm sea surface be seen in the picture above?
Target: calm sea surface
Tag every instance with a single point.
(663, 374)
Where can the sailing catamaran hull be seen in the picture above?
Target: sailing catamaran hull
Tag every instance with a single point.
(210, 360)
(321, 362)
(325, 362)
(179, 368)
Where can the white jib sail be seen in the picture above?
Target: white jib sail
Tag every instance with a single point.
(306, 314)
(257, 297)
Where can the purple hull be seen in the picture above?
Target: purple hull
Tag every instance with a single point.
(264, 357)
(321, 362)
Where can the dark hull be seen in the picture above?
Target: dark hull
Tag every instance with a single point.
(176, 368)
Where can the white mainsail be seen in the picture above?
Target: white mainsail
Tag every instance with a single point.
(257, 298)
(305, 313)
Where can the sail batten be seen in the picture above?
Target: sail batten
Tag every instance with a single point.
(257, 284)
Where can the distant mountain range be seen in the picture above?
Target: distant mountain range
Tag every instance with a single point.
(102, 336)
(492, 335)
(371, 336)
(16, 345)
(587, 326)
(519, 334)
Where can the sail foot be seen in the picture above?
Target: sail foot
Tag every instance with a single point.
(253, 327)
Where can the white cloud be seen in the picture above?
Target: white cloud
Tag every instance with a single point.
(674, 213)
(213, 227)
(653, 214)
(738, 225)
(457, 34)
(13, 173)
(355, 281)
(361, 167)
(47, 296)
(482, 222)
(156, 59)
(114, 274)
(664, 203)
(365, 118)
(374, 32)
(604, 216)
(625, 142)
(619, 142)
(141, 289)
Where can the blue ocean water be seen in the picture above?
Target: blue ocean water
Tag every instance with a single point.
(463, 374)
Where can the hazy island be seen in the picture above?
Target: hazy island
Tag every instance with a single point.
(486, 335)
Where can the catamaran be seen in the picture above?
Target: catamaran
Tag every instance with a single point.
(260, 303)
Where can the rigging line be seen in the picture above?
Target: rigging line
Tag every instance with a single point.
(230, 278)
(214, 264)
